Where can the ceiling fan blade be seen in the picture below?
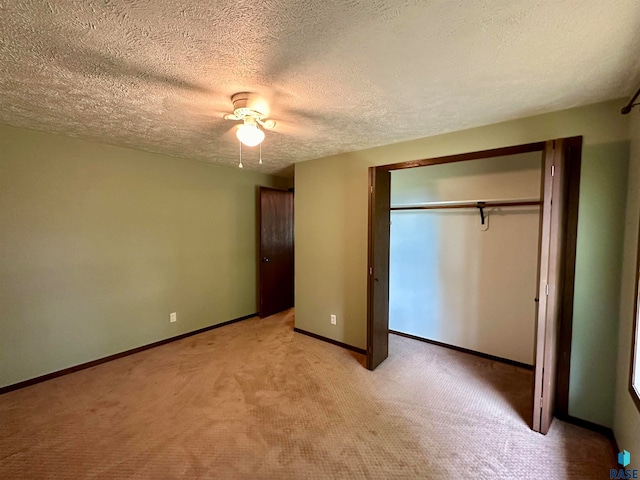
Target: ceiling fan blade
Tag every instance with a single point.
(89, 61)
(267, 124)
(191, 104)
(318, 118)
(230, 135)
(293, 129)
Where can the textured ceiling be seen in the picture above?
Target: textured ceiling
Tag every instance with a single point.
(339, 75)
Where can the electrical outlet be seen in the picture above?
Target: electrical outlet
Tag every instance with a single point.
(333, 319)
(173, 317)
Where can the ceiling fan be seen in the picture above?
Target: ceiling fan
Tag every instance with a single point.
(253, 111)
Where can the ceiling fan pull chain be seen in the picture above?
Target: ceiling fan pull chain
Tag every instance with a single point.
(240, 166)
(260, 162)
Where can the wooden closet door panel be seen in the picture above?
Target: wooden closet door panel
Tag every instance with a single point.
(378, 274)
(552, 255)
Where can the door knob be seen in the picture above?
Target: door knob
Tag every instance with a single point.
(265, 259)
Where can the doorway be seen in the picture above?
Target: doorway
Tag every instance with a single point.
(557, 243)
(464, 255)
(275, 251)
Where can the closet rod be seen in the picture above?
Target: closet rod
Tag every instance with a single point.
(472, 205)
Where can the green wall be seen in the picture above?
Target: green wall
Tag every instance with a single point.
(331, 230)
(627, 415)
(603, 185)
(98, 244)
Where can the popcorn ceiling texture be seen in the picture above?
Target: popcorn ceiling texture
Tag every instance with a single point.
(339, 75)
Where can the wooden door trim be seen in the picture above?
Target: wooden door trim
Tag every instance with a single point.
(573, 166)
(462, 157)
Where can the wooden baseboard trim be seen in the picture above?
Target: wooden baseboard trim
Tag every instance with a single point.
(464, 350)
(93, 363)
(330, 340)
(594, 427)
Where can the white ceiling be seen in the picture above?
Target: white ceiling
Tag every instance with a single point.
(340, 75)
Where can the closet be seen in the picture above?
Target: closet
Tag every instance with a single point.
(464, 254)
(477, 251)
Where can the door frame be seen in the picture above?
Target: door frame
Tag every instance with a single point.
(573, 152)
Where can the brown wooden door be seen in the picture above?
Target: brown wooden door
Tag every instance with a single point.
(552, 252)
(378, 274)
(276, 251)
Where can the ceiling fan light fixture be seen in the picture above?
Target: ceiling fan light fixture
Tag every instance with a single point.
(249, 134)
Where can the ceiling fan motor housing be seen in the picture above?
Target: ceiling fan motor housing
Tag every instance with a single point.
(247, 104)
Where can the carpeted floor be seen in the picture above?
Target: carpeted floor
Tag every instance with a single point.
(254, 400)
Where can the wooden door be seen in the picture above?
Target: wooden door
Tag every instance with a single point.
(552, 252)
(378, 274)
(276, 251)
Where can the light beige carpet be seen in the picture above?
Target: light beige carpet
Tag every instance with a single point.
(254, 400)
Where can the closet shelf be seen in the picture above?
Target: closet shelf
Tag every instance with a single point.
(470, 204)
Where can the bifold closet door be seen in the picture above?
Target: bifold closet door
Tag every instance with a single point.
(551, 284)
(378, 274)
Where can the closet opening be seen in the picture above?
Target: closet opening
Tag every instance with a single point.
(476, 252)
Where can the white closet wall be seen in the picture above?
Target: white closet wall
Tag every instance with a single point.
(454, 283)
